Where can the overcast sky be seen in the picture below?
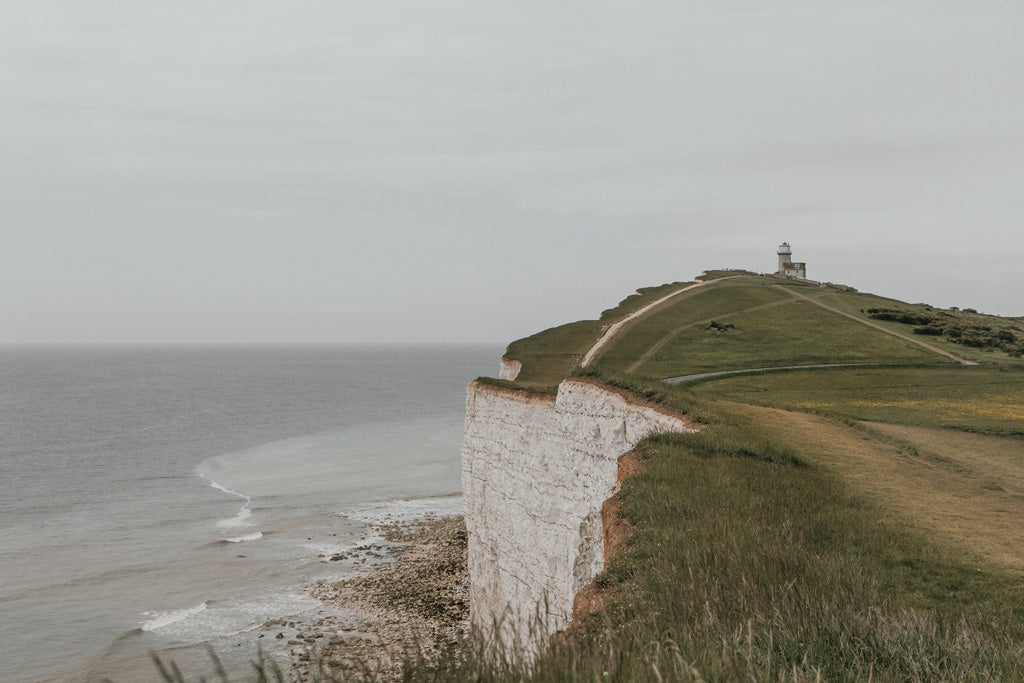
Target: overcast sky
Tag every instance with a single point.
(333, 171)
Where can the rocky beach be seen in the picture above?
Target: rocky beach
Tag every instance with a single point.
(411, 601)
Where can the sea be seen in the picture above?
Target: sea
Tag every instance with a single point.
(169, 500)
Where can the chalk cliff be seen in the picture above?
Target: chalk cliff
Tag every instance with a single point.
(536, 470)
(509, 369)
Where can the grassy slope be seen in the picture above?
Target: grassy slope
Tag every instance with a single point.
(780, 331)
(780, 543)
(715, 301)
(797, 334)
(769, 328)
(858, 302)
(755, 558)
(763, 567)
(550, 356)
(967, 487)
(978, 398)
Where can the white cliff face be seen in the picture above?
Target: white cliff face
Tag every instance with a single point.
(535, 471)
(509, 369)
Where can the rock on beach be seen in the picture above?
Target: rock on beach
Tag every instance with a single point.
(414, 608)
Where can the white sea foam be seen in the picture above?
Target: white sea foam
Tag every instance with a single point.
(241, 519)
(159, 620)
(224, 489)
(229, 618)
(410, 510)
(248, 537)
(336, 548)
(377, 514)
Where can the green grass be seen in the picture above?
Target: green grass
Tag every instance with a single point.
(718, 301)
(752, 562)
(787, 545)
(755, 566)
(675, 339)
(977, 398)
(766, 548)
(654, 391)
(797, 333)
(550, 356)
(858, 303)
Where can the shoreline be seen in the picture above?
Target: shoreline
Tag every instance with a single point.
(413, 607)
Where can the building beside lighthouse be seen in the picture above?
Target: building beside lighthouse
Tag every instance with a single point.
(787, 267)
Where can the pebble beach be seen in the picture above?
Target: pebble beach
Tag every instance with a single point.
(412, 604)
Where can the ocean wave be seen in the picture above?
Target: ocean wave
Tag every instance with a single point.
(223, 488)
(248, 537)
(159, 620)
(223, 619)
(242, 518)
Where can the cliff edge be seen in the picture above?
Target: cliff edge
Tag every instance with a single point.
(536, 470)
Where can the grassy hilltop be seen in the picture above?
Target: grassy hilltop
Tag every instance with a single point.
(860, 521)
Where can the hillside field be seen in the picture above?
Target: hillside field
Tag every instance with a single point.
(855, 522)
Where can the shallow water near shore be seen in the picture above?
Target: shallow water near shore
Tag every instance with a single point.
(163, 498)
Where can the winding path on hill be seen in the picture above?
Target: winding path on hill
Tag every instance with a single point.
(679, 330)
(617, 327)
(702, 375)
(614, 329)
(947, 354)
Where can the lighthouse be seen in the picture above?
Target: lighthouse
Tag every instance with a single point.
(786, 266)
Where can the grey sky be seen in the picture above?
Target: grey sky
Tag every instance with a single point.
(467, 171)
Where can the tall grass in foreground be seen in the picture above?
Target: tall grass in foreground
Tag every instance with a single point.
(747, 564)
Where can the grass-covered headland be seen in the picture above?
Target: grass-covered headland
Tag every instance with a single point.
(860, 522)
(831, 524)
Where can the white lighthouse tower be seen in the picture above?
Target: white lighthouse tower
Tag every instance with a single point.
(786, 266)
